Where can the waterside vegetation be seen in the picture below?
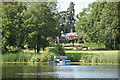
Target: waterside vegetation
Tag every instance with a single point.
(83, 57)
(38, 26)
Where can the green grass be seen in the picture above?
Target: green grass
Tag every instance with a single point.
(100, 51)
(18, 57)
(93, 57)
(93, 44)
(27, 57)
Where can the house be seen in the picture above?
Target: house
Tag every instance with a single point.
(72, 36)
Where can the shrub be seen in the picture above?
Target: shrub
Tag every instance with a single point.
(46, 56)
(58, 50)
(75, 56)
(34, 58)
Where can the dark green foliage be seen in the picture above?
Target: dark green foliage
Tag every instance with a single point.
(46, 56)
(28, 24)
(51, 42)
(100, 23)
(75, 57)
(58, 50)
(67, 20)
(40, 25)
(13, 29)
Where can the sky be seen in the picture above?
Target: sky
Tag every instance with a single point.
(79, 5)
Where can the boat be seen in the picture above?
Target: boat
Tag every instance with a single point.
(61, 60)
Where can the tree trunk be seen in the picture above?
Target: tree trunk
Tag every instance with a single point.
(43, 48)
(114, 44)
(35, 50)
(38, 48)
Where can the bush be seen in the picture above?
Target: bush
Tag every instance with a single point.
(46, 56)
(118, 46)
(34, 58)
(75, 56)
(58, 50)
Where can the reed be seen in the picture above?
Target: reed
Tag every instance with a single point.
(79, 56)
(28, 57)
(94, 57)
(17, 57)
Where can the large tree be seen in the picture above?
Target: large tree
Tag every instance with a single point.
(41, 24)
(12, 25)
(67, 20)
(100, 23)
(70, 18)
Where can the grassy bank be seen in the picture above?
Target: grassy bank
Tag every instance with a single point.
(27, 57)
(19, 57)
(83, 57)
(94, 56)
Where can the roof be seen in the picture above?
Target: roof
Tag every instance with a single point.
(72, 34)
(63, 35)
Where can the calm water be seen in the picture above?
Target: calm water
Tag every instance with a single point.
(35, 70)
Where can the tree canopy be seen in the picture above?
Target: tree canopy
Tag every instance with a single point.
(28, 24)
(67, 20)
(12, 26)
(100, 23)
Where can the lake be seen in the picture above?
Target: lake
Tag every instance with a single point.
(39, 70)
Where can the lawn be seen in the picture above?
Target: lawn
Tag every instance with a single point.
(98, 52)
(90, 44)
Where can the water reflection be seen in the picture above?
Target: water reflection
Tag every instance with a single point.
(57, 64)
(86, 72)
(58, 71)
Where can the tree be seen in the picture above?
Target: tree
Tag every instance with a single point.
(70, 17)
(109, 19)
(67, 20)
(100, 23)
(12, 26)
(40, 24)
(63, 24)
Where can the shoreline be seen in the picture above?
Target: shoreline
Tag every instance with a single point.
(72, 63)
